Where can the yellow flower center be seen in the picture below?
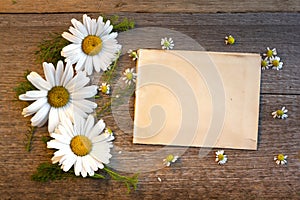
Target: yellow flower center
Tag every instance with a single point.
(230, 40)
(134, 55)
(129, 76)
(220, 157)
(58, 96)
(280, 157)
(167, 43)
(91, 45)
(81, 145)
(104, 89)
(169, 158)
(264, 63)
(279, 112)
(275, 63)
(109, 131)
(269, 53)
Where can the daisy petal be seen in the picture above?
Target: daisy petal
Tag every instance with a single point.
(59, 72)
(49, 72)
(38, 81)
(39, 118)
(34, 107)
(97, 129)
(71, 38)
(53, 119)
(86, 92)
(78, 166)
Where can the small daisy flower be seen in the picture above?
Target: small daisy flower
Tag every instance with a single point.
(133, 54)
(265, 63)
(81, 144)
(281, 114)
(60, 96)
(109, 133)
(270, 52)
(280, 159)
(221, 158)
(129, 76)
(170, 159)
(276, 63)
(167, 43)
(93, 45)
(104, 88)
(229, 40)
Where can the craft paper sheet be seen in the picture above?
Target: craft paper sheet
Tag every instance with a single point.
(197, 98)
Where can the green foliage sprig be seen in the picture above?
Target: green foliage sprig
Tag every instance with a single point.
(24, 86)
(130, 182)
(49, 172)
(49, 49)
(120, 25)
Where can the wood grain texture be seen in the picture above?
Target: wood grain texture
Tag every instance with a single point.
(152, 6)
(247, 175)
(251, 32)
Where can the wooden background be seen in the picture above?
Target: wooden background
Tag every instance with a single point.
(247, 175)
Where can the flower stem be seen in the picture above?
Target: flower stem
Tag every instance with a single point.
(129, 181)
(108, 75)
(30, 135)
(98, 176)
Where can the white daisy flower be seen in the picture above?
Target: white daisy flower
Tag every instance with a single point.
(133, 54)
(167, 43)
(129, 76)
(170, 159)
(270, 52)
(59, 96)
(276, 63)
(93, 45)
(221, 158)
(265, 63)
(104, 88)
(229, 40)
(281, 114)
(81, 144)
(280, 159)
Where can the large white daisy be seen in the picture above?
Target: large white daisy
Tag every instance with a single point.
(60, 96)
(81, 144)
(93, 45)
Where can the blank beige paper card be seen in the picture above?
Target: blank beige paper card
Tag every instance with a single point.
(197, 98)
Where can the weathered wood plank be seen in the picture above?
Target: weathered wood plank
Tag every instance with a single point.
(195, 6)
(285, 36)
(250, 173)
